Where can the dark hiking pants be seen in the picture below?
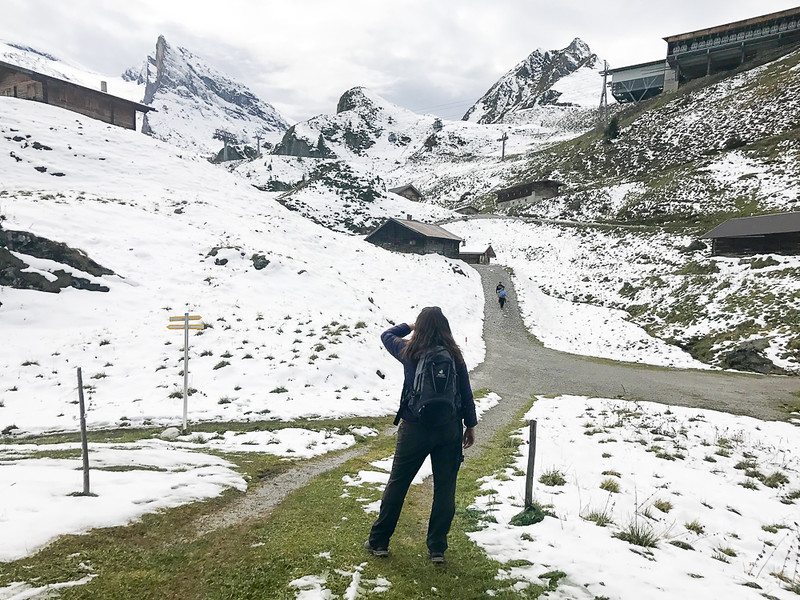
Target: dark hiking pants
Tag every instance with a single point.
(502, 300)
(415, 442)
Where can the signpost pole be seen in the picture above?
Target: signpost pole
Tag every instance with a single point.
(185, 369)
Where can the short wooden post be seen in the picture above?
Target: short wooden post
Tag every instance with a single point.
(531, 458)
(84, 440)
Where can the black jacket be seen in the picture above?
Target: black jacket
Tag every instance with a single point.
(392, 338)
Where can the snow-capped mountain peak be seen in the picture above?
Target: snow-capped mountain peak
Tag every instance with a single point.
(533, 82)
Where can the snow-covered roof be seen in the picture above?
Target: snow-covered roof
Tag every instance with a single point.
(477, 250)
(140, 107)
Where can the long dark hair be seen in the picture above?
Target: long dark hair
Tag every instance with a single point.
(431, 329)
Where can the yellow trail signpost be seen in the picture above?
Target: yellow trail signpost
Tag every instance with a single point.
(185, 323)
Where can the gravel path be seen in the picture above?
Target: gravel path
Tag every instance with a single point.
(518, 366)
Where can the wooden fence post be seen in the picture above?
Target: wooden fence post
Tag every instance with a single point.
(531, 458)
(84, 440)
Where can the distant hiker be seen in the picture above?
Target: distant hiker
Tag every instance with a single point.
(500, 290)
(436, 397)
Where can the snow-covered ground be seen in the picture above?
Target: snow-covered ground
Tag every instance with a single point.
(299, 337)
(717, 493)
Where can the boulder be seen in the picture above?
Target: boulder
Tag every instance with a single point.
(170, 434)
(749, 356)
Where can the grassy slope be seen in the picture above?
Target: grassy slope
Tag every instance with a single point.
(160, 557)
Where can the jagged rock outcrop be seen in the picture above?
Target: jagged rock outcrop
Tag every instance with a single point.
(530, 83)
(192, 100)
(15, 273)
(359, 121)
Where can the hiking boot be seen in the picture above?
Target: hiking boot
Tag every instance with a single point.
(437, 558)
(379, 552)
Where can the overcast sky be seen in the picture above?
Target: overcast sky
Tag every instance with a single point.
(432, 56)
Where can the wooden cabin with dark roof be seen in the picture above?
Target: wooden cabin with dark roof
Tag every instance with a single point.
(408, 191)
(766, 234)
(480, 255)
(19, 82)
(415, 237)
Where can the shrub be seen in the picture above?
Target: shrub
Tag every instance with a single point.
(220, 364)
(611, 131)
(279, 390)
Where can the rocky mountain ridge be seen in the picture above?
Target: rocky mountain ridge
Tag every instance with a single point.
(193, 99)
(531, 83)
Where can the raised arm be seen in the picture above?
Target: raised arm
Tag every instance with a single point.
(392, 338)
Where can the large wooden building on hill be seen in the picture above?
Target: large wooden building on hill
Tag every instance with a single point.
(703, 52)
(19, 82)
(765, 234)
(412, 236)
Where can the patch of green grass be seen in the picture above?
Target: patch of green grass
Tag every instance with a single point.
(663, 505)
(612, 473)
(278, 390)
(530, 516)
(610, 485)
(553, 477)
(749, 484)
(790, 497)
(598, 517)
(682, 545)
(695, 526)
(776, 479)
(552, 578)
(220, 364)
(639, 533)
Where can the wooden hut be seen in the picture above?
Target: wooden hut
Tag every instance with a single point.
(467, 210)
(477, 256)
(412, 236)
(767, 234)
(527, 193)
(19, 82)
(407, 191)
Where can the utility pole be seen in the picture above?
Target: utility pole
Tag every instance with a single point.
(503, 151)
(604, 93)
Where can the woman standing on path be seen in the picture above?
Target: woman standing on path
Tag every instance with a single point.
(500, 290)
(416, 439)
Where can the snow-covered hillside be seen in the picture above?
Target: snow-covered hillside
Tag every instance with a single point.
(293, 310)
(193, 100)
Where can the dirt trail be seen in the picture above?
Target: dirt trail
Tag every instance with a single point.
(517, 366)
